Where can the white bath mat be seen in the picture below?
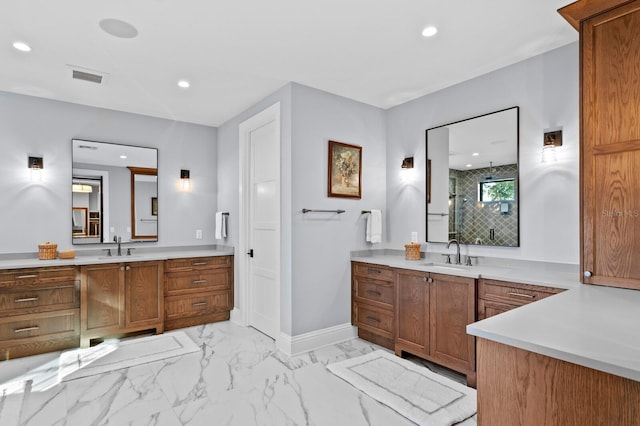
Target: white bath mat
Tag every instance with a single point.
(414, 392)
(113, 355)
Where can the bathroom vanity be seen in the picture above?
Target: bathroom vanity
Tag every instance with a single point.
(49, 305)
(423, 307)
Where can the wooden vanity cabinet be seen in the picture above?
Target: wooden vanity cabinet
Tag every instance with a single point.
(373, 303)
(609, 139)
(198, 291)
(119, 298)
(39, 310)
(496, 297)
(432, 313)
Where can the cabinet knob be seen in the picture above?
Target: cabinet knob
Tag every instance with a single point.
(587, 274)
(128, 268)
(430, 280)
(122, 268)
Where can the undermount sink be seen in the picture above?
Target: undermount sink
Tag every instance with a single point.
(451, 267)
(124, 257)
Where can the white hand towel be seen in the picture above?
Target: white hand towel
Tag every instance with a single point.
(221, 226)
(374, 227)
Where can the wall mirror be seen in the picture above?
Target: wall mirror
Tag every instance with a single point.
(114, 188)
(473, 180)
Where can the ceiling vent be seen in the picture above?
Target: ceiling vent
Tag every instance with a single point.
(85, 74)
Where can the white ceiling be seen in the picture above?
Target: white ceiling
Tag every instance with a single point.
(236, 52)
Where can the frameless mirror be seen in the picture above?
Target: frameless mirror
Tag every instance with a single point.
(110, 197)
(472, 180)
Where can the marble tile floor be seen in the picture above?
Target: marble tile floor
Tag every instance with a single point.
(238, 379)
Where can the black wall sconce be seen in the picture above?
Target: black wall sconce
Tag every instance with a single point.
(186, 180)
(35, 163)
(407, 163)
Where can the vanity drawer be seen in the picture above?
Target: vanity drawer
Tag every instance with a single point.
(38, 299)
(513, 293)
(379, 321)
(193, 305)
(184, 282)
(36, 276)
(195, 263)
(379, 293)
(377, 272)
(49, 325)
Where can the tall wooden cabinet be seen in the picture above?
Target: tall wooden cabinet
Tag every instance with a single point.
(432, 313)
(119, 298)
(610, 139)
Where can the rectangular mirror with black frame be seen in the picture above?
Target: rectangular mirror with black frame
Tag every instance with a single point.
(472, 192)
(114, 192)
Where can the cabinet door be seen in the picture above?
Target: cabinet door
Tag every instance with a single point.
(610, 147)
(412, 312)
(144, 294)
(452, 308)
(102, 306)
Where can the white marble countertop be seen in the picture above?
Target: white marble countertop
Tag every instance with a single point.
(526, 272)
(139, 255)
(593, 326)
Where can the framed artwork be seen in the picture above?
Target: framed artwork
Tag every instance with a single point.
(154, 206)
(345, 170)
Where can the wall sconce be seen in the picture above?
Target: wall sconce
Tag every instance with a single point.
(552, 140)
(407, 163)
(185, 180)
(35, 165)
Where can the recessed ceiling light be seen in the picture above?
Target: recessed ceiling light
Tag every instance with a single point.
(21, 46)
(475, 154)
(429, 31)
(118, 28)
(123, 157)
(184, 84)
(469, 165)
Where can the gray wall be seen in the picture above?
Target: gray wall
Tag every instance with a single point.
(546, 90)
(322, 242)
(36, 212)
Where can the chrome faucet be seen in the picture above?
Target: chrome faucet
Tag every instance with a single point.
(458, 262)
(118, 240)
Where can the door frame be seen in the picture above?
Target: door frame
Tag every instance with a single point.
(258, 120)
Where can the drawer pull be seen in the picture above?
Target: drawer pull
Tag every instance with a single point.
(21, 330)
(198, 281)
(26, 299)
(199, 304)
(199, 263)
(374, 271)
(375, 293)
(527, 296)
(373, 319)
(22, 277)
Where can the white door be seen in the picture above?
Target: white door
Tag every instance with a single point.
(260, 137)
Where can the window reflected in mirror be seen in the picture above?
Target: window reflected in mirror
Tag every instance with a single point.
(473, 180)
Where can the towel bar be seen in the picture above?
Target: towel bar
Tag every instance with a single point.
(322, 211)
(438, 214)
(365, 211)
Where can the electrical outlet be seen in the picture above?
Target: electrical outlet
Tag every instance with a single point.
(198, 234)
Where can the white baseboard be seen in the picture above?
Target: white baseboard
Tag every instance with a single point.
(236, 316)
(295, 345)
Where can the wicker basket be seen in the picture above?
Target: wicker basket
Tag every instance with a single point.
(47, 251)
(66, 254)
(412, 251)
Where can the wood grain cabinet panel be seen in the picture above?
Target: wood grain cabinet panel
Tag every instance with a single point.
(496, 297)
(373, 296)
(39, 310)
(432, 314)
(609, 139)
(120, 298)
(198, 291)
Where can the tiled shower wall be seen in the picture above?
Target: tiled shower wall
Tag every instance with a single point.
(470, 221)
